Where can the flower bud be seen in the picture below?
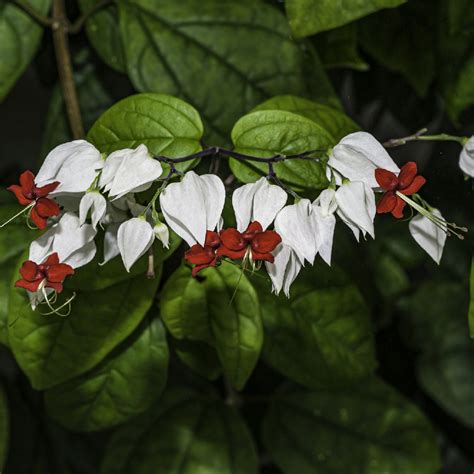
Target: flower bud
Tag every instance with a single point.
(162, 233)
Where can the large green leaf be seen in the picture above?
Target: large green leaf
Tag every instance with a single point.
(436, 325)
(333, 120)
(185, 433)
(166, 125)
(471, 304)
(20, 36)
(322, 335)
(221, 308)
(200, 357)
(123, 386)
(4, 428)
(368, 429)
(221, 56)
(307, 17)
(460, 16)
(52, 349)
(270, 132)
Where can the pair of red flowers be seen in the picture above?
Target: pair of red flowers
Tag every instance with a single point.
(233, 244)
(28, 194)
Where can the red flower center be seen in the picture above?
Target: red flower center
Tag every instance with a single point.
(28, 193)
(204, 257)
(407, 183)
(50, 273)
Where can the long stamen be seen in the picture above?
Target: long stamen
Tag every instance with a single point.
(57, 311)
(27, 208)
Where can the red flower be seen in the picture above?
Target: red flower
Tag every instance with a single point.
(51, 272)
(28, 193)
(407, 183)
(206, 256)
(235, 244)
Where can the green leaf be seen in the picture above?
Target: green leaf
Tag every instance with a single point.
(4, 428)
(102, 29)
(200, 357)
(20, 36)
(221, 56)
(270, 132)
(471, 304)
(221, 308)
(186, 433)
(333, 120)
(446, 363)
(412, 29)
(166, 125)
(118, 389)
(366, 429)
(322, 335)
(307, 17)
(460, 16)
(339, 49)
(53, 349)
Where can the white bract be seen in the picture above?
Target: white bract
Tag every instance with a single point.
(358, 155)
(324, 222)
(259, 201)
(429, 236)
(284, 270)
(294, 224)
(466, 159)
(193, 206)
(162, 233)
(134, 238)
(94, 203)
(74, 164)
(129, 170)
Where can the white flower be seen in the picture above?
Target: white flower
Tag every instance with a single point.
(356, 207)
(429, 236)
(358, 155)
(294, 224)
(74, 164)
(162, 233)
(73, 243)
(95, 203)
(111, 248)
(466, 159)
(193, 206)
(284, 270)
(128, 170)
(134, 238)
(324, 222)
(259, 201)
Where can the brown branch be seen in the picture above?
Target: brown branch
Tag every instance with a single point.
(64, 65)
(35, 15)
(77, 26)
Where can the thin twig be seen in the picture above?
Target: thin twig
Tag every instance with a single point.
(420, 135)
(35, 15)
(77, 26)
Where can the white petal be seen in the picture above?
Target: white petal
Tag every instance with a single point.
(327, 202)
(324, 225)
(242, 202)
(428, 235)
(214, 198)
(162, 233)
(268, 201)
(134, 238)
(111, 166)
(82, 256)
(466, 159)
(294, 224)
(96, 204)
(284, 270)
(42, 247)
(111, 249)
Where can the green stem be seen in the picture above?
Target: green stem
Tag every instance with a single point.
(420, 135)
(28, 9)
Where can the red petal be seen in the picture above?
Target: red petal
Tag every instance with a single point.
(45, 190)
(254, 226)
(18, 192)
(58, 287)
(414, 187)
(386, 179)
(397, 211)
(30, 271)
(263, 256)
(47, 208)
(57, 273)
(407, 174)
(233, 239)
(387, 203)
(53, 259)
(212, 239)
(27, 182)
(39, 221)
(198, 268)
(265, 242)
(198, 255)
(29, 285)
(223, 251)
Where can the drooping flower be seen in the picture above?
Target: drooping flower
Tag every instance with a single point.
(94, 203)
(259, 201)
(74, 164)
(134, 238)
(429, 235)
(193, 206)
(324, 221)
(357, 156)
(36, 197)
(284, 269)
(162, 233)
(48, 274)
(129, 171)
(204, 256)
(254, 243)
(466, 158)
(407, 183)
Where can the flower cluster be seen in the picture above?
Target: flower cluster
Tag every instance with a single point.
(79, 192)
